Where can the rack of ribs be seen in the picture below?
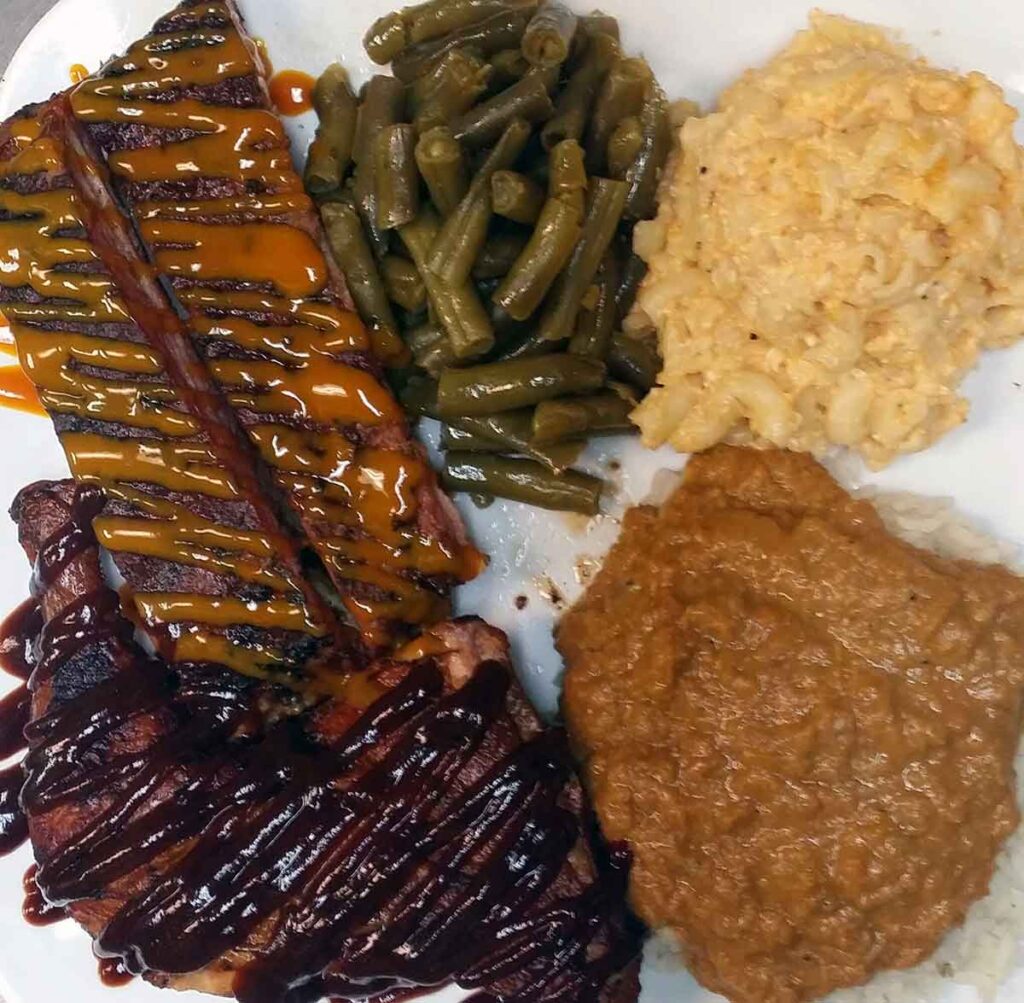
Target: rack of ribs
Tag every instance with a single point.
(184, 127)
(217, 838)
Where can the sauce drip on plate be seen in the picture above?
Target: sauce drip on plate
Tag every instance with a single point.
(292, 92)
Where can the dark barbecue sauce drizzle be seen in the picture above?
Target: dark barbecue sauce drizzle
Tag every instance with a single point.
(427, 845)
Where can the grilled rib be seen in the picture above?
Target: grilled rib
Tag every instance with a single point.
(184, 125)
(214, 842)
(212, 574)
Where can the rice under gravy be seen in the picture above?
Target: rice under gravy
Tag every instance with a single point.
(984, 951)
(836, 244)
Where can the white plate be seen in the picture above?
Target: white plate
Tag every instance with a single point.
(696, 47)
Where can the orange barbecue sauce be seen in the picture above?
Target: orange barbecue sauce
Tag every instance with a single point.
(292, 91)
(17, 391)
(302, 377)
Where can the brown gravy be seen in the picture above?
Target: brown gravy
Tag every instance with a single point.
(804, 727)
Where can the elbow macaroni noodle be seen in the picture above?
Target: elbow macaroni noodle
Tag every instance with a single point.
(835, 246)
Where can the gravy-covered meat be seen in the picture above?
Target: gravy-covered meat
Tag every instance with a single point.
(804, 727)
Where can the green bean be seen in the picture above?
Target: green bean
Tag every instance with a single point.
(594, 328)
(456, 307)
(396, 180)
(604, 210)
(624, 147)
(431, 348)
(387, 37)
(352, 252)
(501, 31)
(574, 104)
(522, 481)
(505, 386)
(331, 151)
(460, 81)
(527, 100)
(621, 95)
(634, 361)
(460, 64)
(509, 431)
(600, 24)
(442, 163)
(545, 255)
(645, 170)
(507, 67)
(516, 197)
(581, 417)
(634, 271)
(403, 283)
(548, 37)
(464, 232)
(470, 442)
(435, 20)
(557, 457)
(499, 254)
(382, 105)
(567, 177)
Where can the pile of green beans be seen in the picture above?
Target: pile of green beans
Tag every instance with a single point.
(481, 203)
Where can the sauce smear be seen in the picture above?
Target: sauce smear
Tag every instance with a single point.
(17, 391)
(292, 91)
(36, 910)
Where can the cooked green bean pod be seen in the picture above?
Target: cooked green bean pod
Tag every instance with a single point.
(645, 171)
(580, 417)
(383, 104)
(499, 254)
(522, 481)
(501, 31)
(442, 17)
(510, 431)
(516, 197)
(464, 232)
(396, 180)
(507, 67)
(605, 203)
(567, 177)
(457, 308)
(600, 24)
(352, 252)
(572, 108)
(621, 95)
(624, 147)
(455, 438)
(547, 40)
(545, 255)
(557, 457)
(634, 361)
(404, 283)
(442, 164)
(527, 100)
(431, 348)
(387, 37)
(594, 328)
(460, 81)
(505, 386)
(634, 271)
(330, 153)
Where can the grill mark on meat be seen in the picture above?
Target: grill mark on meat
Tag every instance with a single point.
(438, 835)
(116, 415)
(240, 246)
